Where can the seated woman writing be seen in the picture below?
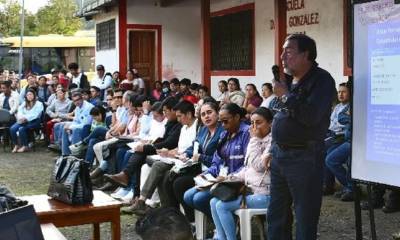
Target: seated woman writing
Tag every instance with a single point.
(254, 174)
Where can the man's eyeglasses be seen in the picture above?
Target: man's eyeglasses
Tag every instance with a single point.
(76, 100)
(115, 97)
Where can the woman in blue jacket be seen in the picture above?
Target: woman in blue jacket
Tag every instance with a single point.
(228, 157)
(201, 152)
(28, 117)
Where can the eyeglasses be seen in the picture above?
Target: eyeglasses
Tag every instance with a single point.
(115, 97)
(77, 100)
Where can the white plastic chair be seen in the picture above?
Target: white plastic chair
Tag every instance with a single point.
(245, 216)
(200, 223)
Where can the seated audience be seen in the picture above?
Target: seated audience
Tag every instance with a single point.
(95, 98)
(58, 111)
(228, 158)
(267, 94)
(136, 161)
(78, 77)
(159, 172)
(73, 132)
(206, 144)
(254, 174)
(235, 94)
(127, 84)
(253, 99)
(335, 136)
(138, 84)
(9, 100)
(223, 89)
(29, 117)
(43, 90)
(157, 91)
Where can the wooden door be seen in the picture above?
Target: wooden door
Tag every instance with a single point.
(142, 55)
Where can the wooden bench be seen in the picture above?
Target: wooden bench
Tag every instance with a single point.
(50, 232)
(102, 209)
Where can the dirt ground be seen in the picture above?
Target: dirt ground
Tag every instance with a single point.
(29, 173)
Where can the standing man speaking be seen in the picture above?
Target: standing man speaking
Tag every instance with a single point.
(298, 131)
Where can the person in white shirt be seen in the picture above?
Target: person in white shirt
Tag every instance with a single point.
(267, 94)
(78, 78)
(102, 80)
(185, 115)
(9, 100)
(138, 83)
(28, 117)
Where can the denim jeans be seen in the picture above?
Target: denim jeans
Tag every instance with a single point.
(296, 177)
(329, 177)
(199, 200)
(58, 130)
(335, 161)
(222, 213)
(22, 130)
(75, 136)
(97, 135)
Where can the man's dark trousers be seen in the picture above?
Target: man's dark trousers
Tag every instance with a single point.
(296, 177)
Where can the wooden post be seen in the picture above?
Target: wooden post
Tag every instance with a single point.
(280, 30)
(205, 37)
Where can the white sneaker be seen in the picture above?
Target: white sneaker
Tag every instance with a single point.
(128, 197)
(152, 203)
(120, 193)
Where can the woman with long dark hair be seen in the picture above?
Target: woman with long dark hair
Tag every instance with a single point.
(253, 99)
(28, 117)
(228, 158)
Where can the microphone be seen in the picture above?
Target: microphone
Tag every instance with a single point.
(275, 72)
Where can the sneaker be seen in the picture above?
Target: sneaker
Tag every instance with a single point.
(54, 146)
(127, 198)
(347, 196)
(77, 147)
(120, 193)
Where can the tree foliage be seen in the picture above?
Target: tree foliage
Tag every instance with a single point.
(57, 17)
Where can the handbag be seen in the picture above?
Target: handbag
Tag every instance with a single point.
(228, 190)
(70, 181)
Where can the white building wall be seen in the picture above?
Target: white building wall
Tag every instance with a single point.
(328, 35)
(181, 35)
(264, 42)
(109, 58)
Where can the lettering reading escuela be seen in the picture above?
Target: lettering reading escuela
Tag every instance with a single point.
(294, 5)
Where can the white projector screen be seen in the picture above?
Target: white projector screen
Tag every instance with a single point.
(376, 111)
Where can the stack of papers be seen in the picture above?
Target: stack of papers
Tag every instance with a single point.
(204, 180)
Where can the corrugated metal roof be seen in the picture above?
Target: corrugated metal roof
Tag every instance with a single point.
(93, 5)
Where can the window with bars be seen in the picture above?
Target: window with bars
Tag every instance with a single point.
(105, 35)
(232, 41)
